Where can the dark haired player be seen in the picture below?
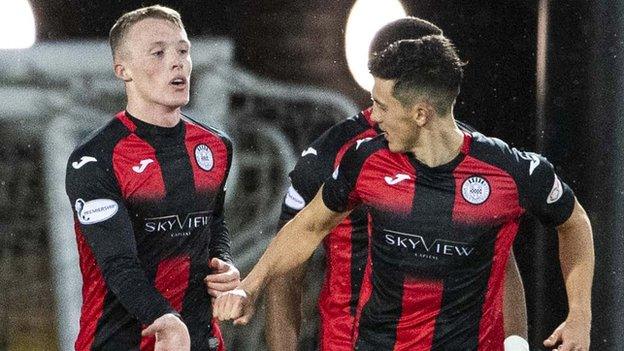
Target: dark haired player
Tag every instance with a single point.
(148, 190)
(346, 246)
(445, 206)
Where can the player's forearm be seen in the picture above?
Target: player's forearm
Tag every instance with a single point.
(578, 274)
(515, 313)
(291, 247)
(125, 278)
(117, 259)
(576, 253)
(284, 310)
(220, 243)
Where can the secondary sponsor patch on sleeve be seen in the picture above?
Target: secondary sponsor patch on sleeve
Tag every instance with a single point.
(294, 200)
(556, 192)
(95, 211)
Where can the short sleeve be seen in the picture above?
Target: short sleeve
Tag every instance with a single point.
(545, 194)
(305, 181)
(339, 192)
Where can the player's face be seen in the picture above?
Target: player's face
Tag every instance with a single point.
(392, 117)
(156, 56)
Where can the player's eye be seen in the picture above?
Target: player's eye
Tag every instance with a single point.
(158, 53)
(378, 106)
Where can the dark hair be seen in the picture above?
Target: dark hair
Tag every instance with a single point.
(401, 29)
(426, 67)
(127, 20)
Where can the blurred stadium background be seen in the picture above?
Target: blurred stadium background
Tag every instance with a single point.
(542, 75)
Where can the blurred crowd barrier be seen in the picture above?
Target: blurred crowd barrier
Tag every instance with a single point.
(54, 94)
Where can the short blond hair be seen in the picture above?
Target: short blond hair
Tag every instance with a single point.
(128, 19)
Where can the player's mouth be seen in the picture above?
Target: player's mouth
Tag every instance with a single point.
(179, 82)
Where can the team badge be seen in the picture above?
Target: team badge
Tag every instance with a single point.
(203, 156)
(476, 190)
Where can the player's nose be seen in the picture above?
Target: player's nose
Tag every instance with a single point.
(375, 116)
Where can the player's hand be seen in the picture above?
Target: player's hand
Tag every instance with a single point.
(571, 335)
(224, 277)
(171, 334)
(236, 305)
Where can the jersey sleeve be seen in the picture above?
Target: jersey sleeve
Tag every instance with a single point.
(339, 191)
(103, 220)
(220, 245)
(543, 192)
(305, 181)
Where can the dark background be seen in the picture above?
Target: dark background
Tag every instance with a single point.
(303, 41)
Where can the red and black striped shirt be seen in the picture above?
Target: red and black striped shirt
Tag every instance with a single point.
(346, 246)
(441, 237)
(148, 213)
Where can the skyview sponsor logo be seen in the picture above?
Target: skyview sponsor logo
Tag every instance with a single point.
(174, 226)
(430, 250)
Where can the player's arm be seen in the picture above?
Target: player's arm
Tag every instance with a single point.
(283, 316)
(576, 255)
(554, 203)
(514, 308)
(220, 244)
(283, 293)
(292, 246)
(224, 275)
(103, 221)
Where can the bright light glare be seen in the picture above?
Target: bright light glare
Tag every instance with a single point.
(17, 24)
(365, 19)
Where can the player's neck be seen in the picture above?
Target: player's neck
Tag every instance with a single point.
(159, 115)
(439, 142)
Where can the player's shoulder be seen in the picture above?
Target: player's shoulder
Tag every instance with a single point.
(101, 142)
(92, 157)
(490, 146)
(498, 153)
(364, 148)
(207, 130)
(318, 160)
(343, 132)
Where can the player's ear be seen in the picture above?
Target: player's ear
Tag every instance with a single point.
(122, 72)
(422, 112)
(120, 66)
